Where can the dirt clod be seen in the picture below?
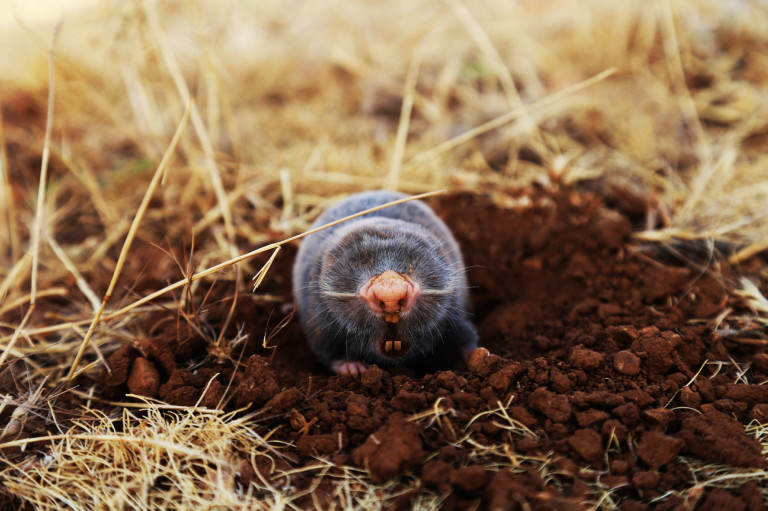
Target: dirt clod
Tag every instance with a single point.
(716, 437)
(470, 479)
(117, 369)
(588, 444)
(144, 379)
(626, 363)
(554, 406)
(657, 449)
(586, 359)
(285, 400)
(391, 450)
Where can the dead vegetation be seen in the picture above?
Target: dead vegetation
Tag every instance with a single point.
(179, 136)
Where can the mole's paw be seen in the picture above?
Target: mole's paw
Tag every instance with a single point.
(390, 293)
(343, 368)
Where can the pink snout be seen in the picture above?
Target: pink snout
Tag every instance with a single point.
(390, 293)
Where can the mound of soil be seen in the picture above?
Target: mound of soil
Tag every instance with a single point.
(605, 368)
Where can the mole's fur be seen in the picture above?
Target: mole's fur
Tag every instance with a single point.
(407, 241)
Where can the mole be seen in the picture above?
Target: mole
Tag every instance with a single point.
(386, 288)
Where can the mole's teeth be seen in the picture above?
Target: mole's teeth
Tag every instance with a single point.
(398, 345)
(391, 317)
(388, 346)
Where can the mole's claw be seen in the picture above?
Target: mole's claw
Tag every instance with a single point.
(354, 369)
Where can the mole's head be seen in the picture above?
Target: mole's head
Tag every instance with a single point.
(385, 288)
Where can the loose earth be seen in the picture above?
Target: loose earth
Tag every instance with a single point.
(611, 362)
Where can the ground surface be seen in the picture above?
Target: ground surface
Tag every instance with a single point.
(604, 359)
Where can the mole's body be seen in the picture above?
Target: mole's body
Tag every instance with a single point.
(386, 288)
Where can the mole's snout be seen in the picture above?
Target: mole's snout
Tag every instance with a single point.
(390, 293)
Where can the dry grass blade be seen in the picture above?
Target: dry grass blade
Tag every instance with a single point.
(150, 7)
(748, 251)
(515, 114)
(272, 246)
(7, 206)
(129, 238)
(17, 272)
(21, 300)
(481, 39)
(82, 284)
(213, 269)
(688, 107)
(40, 211)
(259, 277)
(40, 208)
(19, 416)
(396, 165)
(754, 297)
(501, 412)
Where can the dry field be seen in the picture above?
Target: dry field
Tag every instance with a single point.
(604, 166)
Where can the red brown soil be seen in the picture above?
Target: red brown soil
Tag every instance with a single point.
(597, 344)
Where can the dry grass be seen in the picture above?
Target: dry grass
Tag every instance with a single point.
(660, 104)
(156, 457)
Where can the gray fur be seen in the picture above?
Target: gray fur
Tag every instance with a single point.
(408, 238)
